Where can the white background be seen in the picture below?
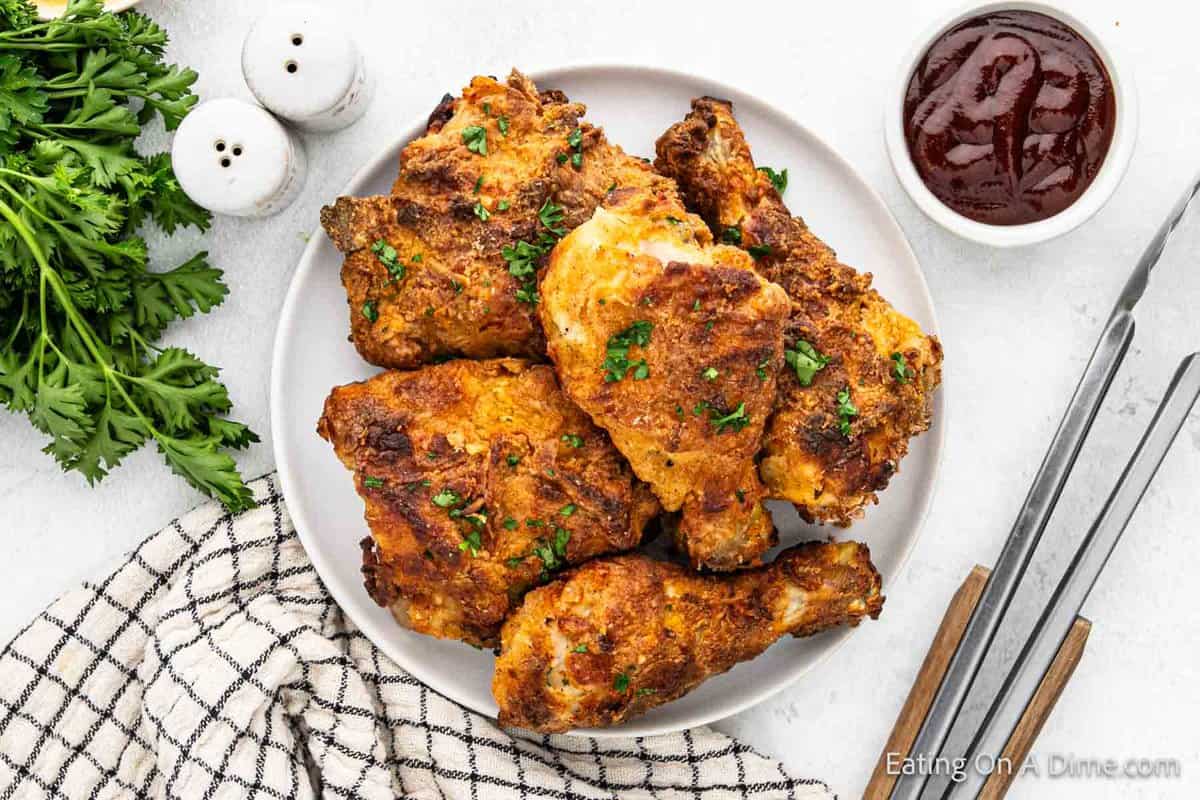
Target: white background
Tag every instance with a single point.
(1017, 326)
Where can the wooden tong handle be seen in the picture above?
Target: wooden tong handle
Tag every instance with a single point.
(920, 697)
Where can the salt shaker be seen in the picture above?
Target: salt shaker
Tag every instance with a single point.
(234, 158)
(304, 67)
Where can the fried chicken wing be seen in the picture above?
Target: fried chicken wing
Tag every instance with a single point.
(863, 374)
(672, 344)
(436, 269)
(621, 635)
(480, 479)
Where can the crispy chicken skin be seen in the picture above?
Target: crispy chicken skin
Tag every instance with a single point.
(672, 343)
(471, 186)
(621, 635)
(884, 362)
(480, 478)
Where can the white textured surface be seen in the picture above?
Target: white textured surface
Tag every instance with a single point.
(1018, 327)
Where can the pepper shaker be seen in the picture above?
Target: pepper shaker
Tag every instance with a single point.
(234, 158)
(304, 67)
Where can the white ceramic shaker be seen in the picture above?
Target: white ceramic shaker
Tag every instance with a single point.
(304, 67)
(234, 158)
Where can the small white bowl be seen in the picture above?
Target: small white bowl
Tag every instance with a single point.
(1092, 199)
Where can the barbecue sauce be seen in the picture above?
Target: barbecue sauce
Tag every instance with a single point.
(1008, 117)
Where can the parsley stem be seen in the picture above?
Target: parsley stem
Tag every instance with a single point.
(86, 335)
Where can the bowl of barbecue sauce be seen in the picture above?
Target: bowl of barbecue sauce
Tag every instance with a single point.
(1011, 124)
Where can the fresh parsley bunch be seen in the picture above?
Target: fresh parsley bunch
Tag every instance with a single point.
(80, 311)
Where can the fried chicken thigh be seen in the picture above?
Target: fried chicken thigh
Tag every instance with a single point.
(863, 374)
(621, 635)
(436, 269)
(672, 345)
(480, 479)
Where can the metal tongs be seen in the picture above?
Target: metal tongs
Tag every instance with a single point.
(1089, 560)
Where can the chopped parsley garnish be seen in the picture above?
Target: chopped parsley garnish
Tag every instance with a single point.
(551, 216)
(512, 460)
(458, 287)
(475, 138)
(534, 523)
(710, 374)
(554, 554)
(561, 158)
(846, 411)
(645, 690)
(579, 648)
(388, 257)
(473, 541)
(510, 524)
(617, 362)
(708, 326)
(900, 369)
(567, 510)
(478, 184)
(696, 305)
(369, 311)
(778, 179)
(371, 482)
(572, 439)
(503, 205)
(575, 140)
(761, 369)
(522, 257)
(806, 361)
(487, 109)
(759, 250)
(741, 495)
(621, 682)
(514, 562)
(481, 211)
(446, 498)
(416, 259)
(732, 234)
(735, 420)
(502, 124)
(674, 220)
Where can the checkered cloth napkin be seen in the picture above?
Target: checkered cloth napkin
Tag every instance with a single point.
(213, 664)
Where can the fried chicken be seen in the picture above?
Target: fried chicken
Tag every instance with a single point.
(863, 374)
(672, 343)
(480, 479)
(621, 635)
(436, 269)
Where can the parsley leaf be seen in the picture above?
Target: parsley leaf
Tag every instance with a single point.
(900, 369)
(806, 361)
(759, 251)
(371, 482)
(370, 311)
(710, 374)
(846, 411)
(579, 648)
(778, 179)
(475, 138)
(735, 420)
(386, 254)
(481, 211)
(621, 682)
(502, 124)
(551, 216)
(617, 363)
(732, 234)
(446, 498)
(572, 439)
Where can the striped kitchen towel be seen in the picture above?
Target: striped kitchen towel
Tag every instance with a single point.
(213, 664)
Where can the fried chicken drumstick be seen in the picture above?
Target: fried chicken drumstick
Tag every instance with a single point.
(672, 343)
(620, 635)
(480, 480)
(447, 264)
(863, 374)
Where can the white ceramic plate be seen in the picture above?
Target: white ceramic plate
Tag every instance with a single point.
(634, 105)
